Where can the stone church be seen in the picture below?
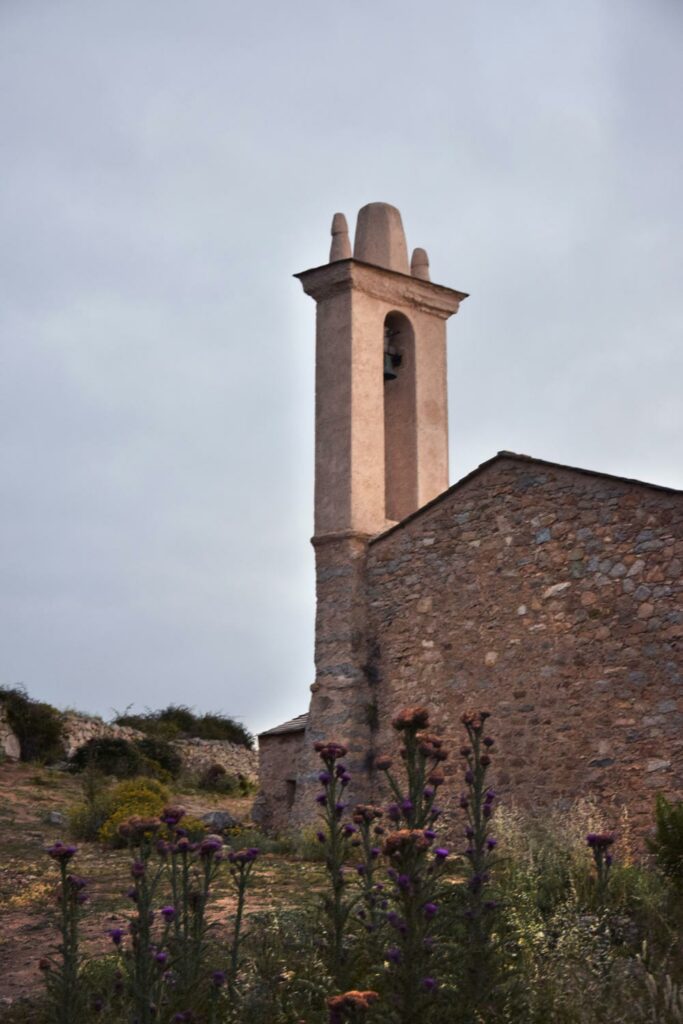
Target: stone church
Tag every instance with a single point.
(548, 595)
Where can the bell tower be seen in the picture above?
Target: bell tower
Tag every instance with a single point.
(381, 446)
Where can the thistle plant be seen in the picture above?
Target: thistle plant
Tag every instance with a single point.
(193, 868)
(366, 834)
(600, 844)
(241, 864)
(148, 961)
(62, 977)
(477, 802)
(334, 836)
(350, 1007)
(416, 865)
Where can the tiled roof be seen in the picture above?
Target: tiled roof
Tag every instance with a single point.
(297, 724)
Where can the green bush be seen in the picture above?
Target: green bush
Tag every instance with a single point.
(38, 726)
(126, 758)
(667, 843)
(143, 797)
(215, 779)
(160, 752)
(110, 756)
(177, 721)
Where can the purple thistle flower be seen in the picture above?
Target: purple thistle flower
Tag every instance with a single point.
(360, 868)
(375, 852)
(403, 881)
(487, 810)
(469, 776)
(218, 979)
(161, 957)
(491, 843)
(430, 909)
(489, 796)
(441, 853)
(428, 984)
(168, 913)
(428, 792)
(488, 741)
(407, 806)
(321, 837)
(321, 799)
(393, 955)
(116, 935)
(324, 778)
(429, 833)
(58, 851)
(394, 812)
(349, 829)
(137, 869)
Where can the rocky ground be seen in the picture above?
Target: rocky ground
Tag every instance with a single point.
(34, 803)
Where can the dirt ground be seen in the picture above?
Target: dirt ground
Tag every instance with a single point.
(28, 877)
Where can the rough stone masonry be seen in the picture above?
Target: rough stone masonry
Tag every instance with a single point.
(549, 595)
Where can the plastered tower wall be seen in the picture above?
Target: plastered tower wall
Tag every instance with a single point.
(553, 598)
(355, 295)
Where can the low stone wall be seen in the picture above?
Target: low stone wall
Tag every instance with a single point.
(79, 729)
(198, 755)
(9, 744)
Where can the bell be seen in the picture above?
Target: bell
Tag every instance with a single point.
(389, 371)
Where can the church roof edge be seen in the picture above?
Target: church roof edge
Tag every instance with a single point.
(516, 457)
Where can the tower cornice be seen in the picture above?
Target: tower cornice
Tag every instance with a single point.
(386, 285)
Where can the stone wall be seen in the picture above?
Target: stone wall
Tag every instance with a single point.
(554, 599)
(79, 729)
(9, 744)
(280, 756)
(199, 754)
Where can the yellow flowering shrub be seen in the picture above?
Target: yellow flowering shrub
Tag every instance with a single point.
(144, 797)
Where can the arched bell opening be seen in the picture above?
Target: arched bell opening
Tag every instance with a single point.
(400, 421)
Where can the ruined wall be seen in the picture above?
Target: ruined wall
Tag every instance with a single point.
(198, 755)
(554, 599)
(79, 729)
(279, 757)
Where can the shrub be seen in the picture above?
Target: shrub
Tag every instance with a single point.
(178, 721)
(216, 779)
(128, 758)
(110, 756)
(38, 726)
(160, 752)
(141, 797)
(667, 843)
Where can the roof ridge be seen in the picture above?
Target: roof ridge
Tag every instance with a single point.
(516, 456)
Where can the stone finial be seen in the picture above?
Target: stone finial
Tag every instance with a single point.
(419, 264)
(341, 243)
(380, 238)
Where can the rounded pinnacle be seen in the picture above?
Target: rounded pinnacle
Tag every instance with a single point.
(341, 244)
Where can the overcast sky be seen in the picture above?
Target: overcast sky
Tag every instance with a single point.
(167, 166)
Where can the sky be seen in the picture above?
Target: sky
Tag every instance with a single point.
(167, 167)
